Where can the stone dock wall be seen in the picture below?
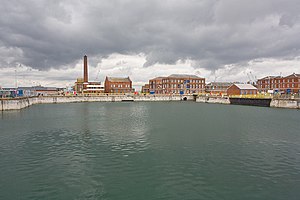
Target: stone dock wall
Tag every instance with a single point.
(212, 99)
(275, 103)
(285, 103)
(19, 103)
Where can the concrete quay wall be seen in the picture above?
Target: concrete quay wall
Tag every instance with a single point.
(275, 103)
(285, 103)
(15, 104)
(210, 99)
(20, 103)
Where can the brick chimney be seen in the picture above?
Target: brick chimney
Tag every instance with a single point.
(85, 70)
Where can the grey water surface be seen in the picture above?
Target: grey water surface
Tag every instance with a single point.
(149, 150)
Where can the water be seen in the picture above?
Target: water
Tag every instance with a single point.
(180, 150)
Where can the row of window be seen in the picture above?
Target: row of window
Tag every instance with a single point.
(120, 86)
(177, 91)
(182, 81)
(279, 81)
(182, 86)
(120, 91)
(247, 92)
(279, 85)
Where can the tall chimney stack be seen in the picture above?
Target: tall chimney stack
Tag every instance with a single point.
(85, 69)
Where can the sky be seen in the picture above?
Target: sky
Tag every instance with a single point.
(43, 42)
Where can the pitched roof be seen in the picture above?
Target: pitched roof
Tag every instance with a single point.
(220, 83)
(158, 78)
(269, 77)
(118, 79)
(292, 75)
(183, 76)
(245, 86)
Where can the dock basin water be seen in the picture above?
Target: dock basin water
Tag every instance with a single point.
(149, 150)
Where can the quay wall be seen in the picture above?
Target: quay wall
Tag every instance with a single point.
(275, 103)
(285, 103)
(15, 104)
(211, 99)
(20, 103)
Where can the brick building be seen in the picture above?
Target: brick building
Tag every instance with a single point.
(177, 84)
(278, 84)
(145, 88)
(155, 85)
(118, 85)
(217, 87)
(83, 86)
(241, 89)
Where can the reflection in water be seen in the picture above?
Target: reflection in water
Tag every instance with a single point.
(85, 115)
(11, 114)
(125, 127)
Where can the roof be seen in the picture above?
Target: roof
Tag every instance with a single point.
(44, 88)
(292, 75)
(220, 83)
(245, 86)
(183, 76)
(157, 78)
(269, 77)
(118, 79)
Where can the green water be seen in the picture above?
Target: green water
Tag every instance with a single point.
(176, 151)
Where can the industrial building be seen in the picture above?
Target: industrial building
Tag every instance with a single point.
(217, 87)
(278, 84)
(145, 88)
(241, 89)
(83, 86)
(177, 84)
(118, 85)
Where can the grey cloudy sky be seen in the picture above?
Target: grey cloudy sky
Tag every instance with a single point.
(137, 37)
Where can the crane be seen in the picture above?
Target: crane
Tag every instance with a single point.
(97, 75)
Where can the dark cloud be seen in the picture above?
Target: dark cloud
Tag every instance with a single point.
(212, 33)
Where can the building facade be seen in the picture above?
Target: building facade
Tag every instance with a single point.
(241, 89)
(156, 86)
(78, 87)
(278, 84)
(118, 85)
(217, 87)
(145, 88)
(177, 84)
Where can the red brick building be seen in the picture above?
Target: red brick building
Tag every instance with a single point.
(217, 87)
(145, 88)
(155, 85)
(177, 84)
(118, 85)
(241, 89)
(278, 84)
